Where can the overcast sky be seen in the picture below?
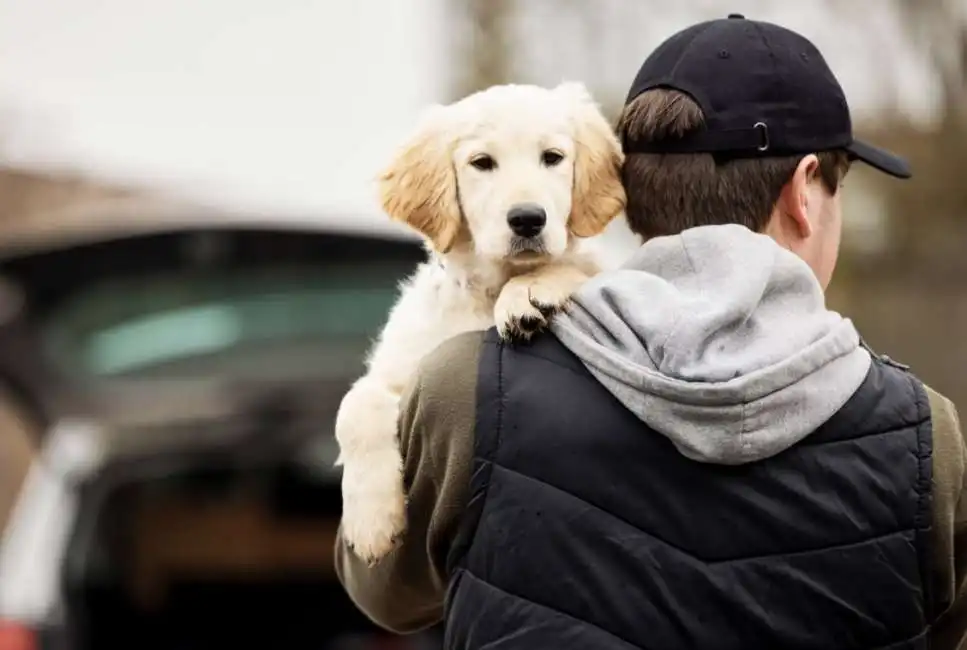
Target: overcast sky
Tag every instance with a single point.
(294, 103)
(277, 101)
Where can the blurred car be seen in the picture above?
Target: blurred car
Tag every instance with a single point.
(183, 369)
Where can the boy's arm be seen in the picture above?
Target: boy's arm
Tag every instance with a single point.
(404, 592)
(949, 572)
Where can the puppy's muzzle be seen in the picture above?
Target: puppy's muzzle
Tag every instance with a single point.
(526, 219)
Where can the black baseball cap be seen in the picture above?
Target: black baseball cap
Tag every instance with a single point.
(765, 91)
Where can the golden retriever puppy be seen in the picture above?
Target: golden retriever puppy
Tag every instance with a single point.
(503, 185)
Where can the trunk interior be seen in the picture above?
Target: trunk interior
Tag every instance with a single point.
(215, 560)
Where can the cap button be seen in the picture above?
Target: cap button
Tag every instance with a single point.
(736, 17)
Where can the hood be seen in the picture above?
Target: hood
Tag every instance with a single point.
(719, 339)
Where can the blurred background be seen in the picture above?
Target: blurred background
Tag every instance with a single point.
(192, 264)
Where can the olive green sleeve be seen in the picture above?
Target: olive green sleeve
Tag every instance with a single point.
(949, 565)
(404, 592)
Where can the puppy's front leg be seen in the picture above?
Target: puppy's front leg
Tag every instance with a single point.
(374, 504)
(527, 301)
(373, 497)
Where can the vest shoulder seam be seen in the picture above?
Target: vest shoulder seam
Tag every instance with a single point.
(923, 519)
(808, 441)
(581, 372)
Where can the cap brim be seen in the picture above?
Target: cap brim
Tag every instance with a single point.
(885, 161)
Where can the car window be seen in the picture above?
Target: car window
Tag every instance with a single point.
(311, 318)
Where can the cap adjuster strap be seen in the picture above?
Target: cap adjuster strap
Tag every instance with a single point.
(764, 131)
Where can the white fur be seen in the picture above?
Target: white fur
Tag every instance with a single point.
(475, 276)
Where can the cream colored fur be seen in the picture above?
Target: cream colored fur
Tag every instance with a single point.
(477, 275)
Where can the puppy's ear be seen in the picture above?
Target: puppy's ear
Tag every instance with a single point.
(598, 195)
(419, 187)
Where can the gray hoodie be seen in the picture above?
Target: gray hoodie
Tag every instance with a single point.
(719, 339)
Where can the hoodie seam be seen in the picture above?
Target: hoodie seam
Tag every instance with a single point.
(744, 444)
(679, 316)
(742, 433)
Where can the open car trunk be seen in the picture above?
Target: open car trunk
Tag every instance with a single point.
(216, 559)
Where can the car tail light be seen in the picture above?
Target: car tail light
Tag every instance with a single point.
(16, 636)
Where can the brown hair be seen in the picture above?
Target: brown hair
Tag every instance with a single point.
(668, 193)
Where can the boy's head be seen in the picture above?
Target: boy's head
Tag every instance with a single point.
(738, 121)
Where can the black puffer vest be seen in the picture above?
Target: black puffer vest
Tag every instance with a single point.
(587, 530)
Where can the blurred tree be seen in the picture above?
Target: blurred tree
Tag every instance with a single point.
(939, 27)
(483, 47)
(929, 213)
(911, 298)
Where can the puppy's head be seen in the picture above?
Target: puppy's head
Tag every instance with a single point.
(518, 169)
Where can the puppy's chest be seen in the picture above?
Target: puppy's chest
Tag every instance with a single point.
(466, 311)
(463, 301)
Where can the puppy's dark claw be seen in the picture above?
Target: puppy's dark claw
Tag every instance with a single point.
(530, 324)
(522, 329)
(548, 310)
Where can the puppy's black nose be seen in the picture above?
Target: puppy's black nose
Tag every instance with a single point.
(527, 219)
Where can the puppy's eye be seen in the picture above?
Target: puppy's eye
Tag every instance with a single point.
(484, 163)
(551, 157)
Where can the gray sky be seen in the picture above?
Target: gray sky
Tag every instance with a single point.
(295, 103)
(260, 101)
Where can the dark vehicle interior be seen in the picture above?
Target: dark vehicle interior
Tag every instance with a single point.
(207, 544)
(216, 558)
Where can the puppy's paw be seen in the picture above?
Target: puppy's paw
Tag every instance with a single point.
(527, 303)
(374, 505)
(551, 292)
(516, 316)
